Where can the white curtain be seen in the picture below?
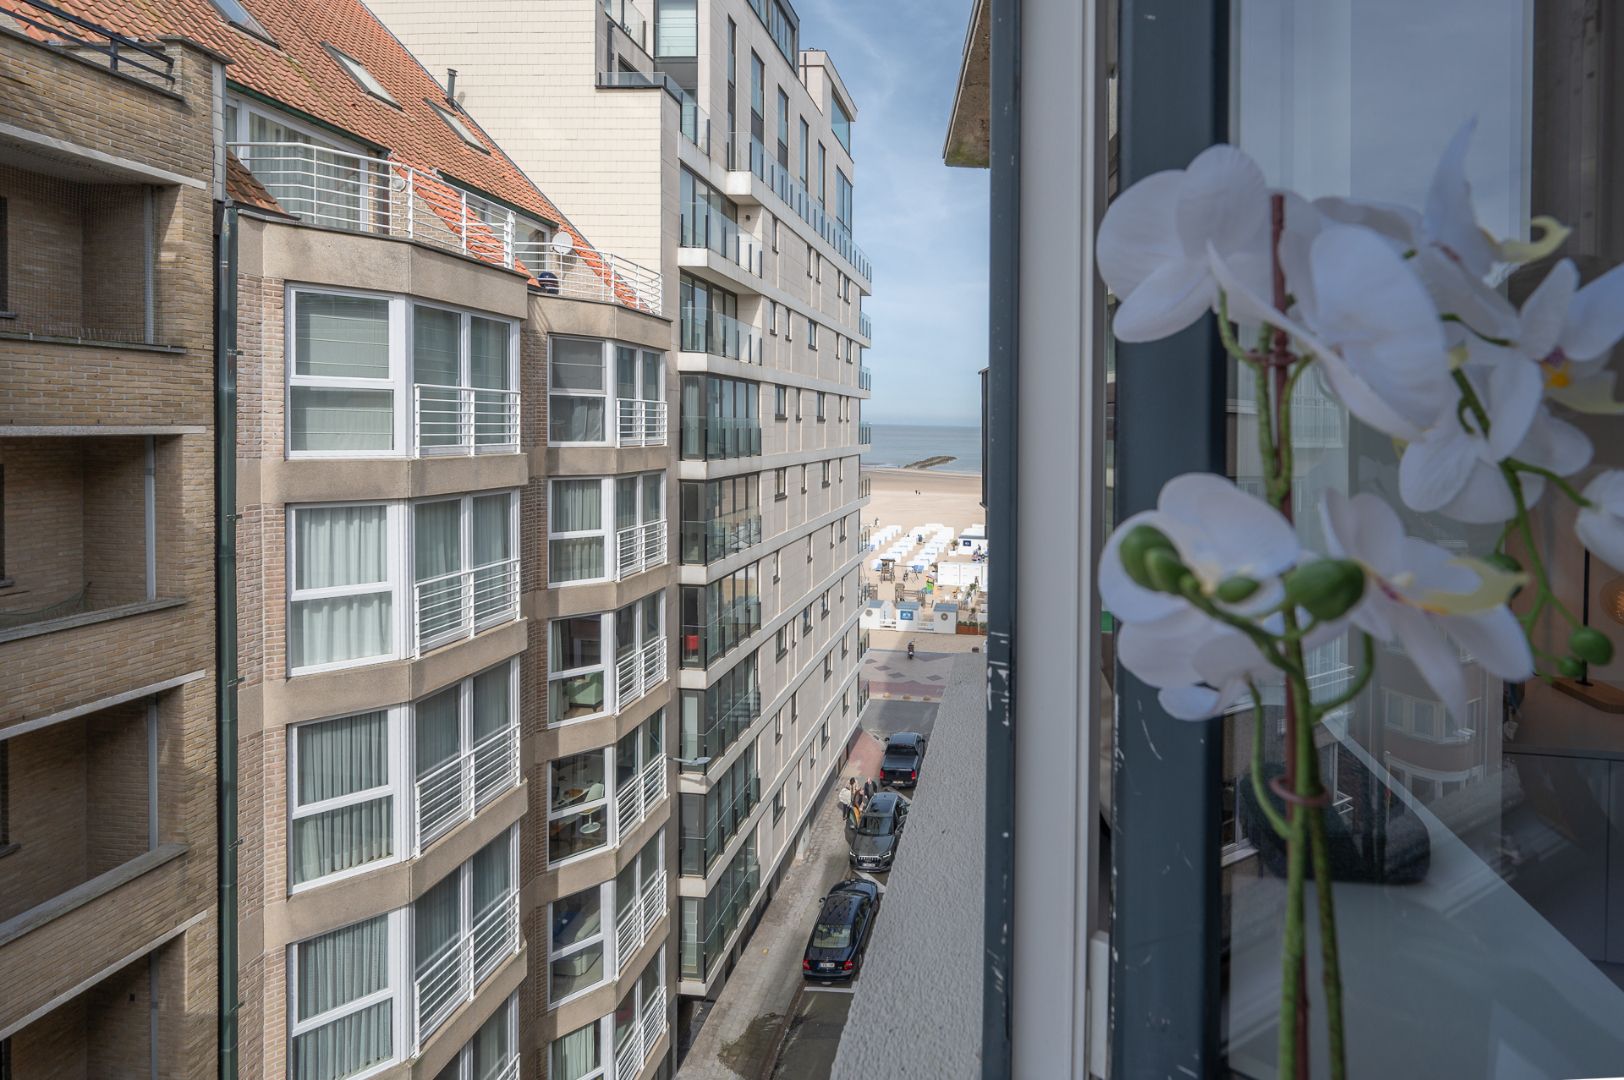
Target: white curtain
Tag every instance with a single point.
(338, 967)
(577, 506)
(676, 28)
(337, 758)
(576, 1054)
(492, 1043)
(335, 547)
(575, 418)
(488, 361)
(492, 529)
(437, 538)
(493, 873)
(345, 337)
(437, 916)
(493, 712)
(436, 347)
(334, 419)
(438, 730)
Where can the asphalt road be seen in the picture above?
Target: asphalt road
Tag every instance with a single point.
(884, 717)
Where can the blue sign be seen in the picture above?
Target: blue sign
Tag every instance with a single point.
(905, 615)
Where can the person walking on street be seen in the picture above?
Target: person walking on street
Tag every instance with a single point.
(859, 797)
(845, 799)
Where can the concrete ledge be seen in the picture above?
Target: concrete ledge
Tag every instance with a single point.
(88, 618)
(80, 895)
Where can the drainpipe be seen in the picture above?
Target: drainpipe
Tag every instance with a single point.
(225, 599)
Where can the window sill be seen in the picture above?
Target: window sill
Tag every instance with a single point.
(780, 497)
(93, 343)
(87, 618)
(82, 894)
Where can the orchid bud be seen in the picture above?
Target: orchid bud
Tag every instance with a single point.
(1165, 571)
(1237, 590)
(1139, 542)
(1571, 668)
(1326, 589)
(1591, 646)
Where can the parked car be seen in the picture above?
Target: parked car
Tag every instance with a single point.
(845, 919)
(904, 752)
(874, 841)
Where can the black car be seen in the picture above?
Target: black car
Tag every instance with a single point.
(845, 920)
(904, 752)
(874, 841)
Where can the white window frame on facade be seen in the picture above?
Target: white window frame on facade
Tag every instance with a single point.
(604, 667)
(396, 991)
(463, 419)
(394, 569)
(615, 409)
(462, 1067)
(811, 333)
(648, 546)
(603, 937)
(467, 575)
(394, 788)
(604, 804)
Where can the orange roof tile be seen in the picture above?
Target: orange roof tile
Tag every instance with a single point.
(244, 187)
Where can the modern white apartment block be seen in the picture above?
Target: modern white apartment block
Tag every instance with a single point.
(698, 136)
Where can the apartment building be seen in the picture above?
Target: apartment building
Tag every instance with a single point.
(107, 690)
(701, 137)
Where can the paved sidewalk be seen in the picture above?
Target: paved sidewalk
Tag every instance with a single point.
(742, 1030)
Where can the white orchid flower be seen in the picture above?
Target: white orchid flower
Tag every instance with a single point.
(1455, 467)
(1570, 333)
(1601, 525)
(1152, 244)
(1199, 667)
(1366, 318)
(1430, 601)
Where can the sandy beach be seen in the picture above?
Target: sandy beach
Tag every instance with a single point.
(910, 497)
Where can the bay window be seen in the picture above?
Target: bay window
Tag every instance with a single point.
(493, 1052)
(466, 572)
(463, 928)
(363, 369)
(346, 997)
(720, 517)
(640, 648)
(581, 545)
(605, 392)
(577, 959)
(344, 802)
(466, 748)
(639, 773)
(577, 805)
(639, 898)
(575, 668)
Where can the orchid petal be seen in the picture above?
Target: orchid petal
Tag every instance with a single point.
(1456, 292)
(1447, 216)
(1555, 445)
(1121, 595)
(1596, 317)
(1514, 399)
(1496, 641)
(1592, 395)
(1493, 588)
(1238, 533)
(1190, 702)
(1433, 656)
(1435, 469)
(1600, 527)
(1486, 500)
(1545, 312)
(1137, 234)
(1399, 225)
(1223, 201)
(1161, 653)
(1365, 529)
(1552, 235)
(1175, 295)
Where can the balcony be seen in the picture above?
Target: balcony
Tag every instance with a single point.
(865, 435)
(865, 485)
(453, 976)
(723, 236)
(704, 644)
(634, 925)
(715, 438)
(865, 325)
(639, 672)
(639, 422)
(455, 791)
(639, 548)
(630, 18)
(706, 331)
(695, 125)
(865, 379)
(637, 1046)
(697, 854)
(460, 604)
(336, 189)
(718, 537)
(794, 195)
(638, 798)
(723, 731)
(464, 420)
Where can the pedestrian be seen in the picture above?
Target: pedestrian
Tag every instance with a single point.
(845, 798)
(858, 798)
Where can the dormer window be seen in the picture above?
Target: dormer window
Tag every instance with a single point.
(234, 13)
(357, 71)
(464, 132)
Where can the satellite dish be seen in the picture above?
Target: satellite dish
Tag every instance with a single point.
(562, 244)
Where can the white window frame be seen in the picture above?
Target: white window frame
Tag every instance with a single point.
(465, 745)
(608, 361)
(464, 872)
(605, 1032)
(465, 519)
(605, 665)
(464, 1061)
(604, 938)
(812, 329)
(465, 365)
(402, 811)
(604, 805)
(394, 562)
(605, 530)
(398, 989)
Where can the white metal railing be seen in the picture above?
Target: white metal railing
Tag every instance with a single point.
(464, 420)
(509, 1071)
(633, 1052)
(639, 548)
(455, 790)
(634, 801)
(464, 602)
(639, 919)
(452, 977)
(640, 422)
(337, 189)
(638, 672)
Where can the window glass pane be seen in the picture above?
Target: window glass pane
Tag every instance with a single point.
(340, 545)
(341, 336)
(577, 364)
(493, 701)
(576, 1054)
(577, 505)
(493, 873)
(575, 419)
(338, 757)
(342, 838)
(326, 418)
(342, 966)
(493, 1044)
(575, 696)
(437, 920)
(577, 918)
(576, 643)
(437, 538)
(625, 502)
(339, 629)
(575, 834)
(676, 28)
(625, 372)
(653, 376)
(492, 529)
(577, 780)
(436, 345)
(488, 364)
(438, 735)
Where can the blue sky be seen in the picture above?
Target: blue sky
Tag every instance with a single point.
(923, 225)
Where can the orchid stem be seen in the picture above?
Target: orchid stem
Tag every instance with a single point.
(1566, 488)
(1276, 821)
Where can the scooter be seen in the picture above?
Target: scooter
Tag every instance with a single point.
(910, 650)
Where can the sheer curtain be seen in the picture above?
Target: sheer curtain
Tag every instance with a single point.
(436, 347)
(492, 1044)
(335, 547)
(493, 874)
(493, 712)
(338, 758)
(490, 371)
(340, 337)
(576, 1054)
(577, 366)
(437, 538)
(577, 507)
(335, 969)
(437, 915)
(625, 502)
(336, 419)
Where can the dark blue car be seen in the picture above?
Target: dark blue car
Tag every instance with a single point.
(845, 919)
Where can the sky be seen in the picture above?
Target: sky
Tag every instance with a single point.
(922, 224)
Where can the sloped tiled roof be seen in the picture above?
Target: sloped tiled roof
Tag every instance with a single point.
(245, 189)
(300, 73)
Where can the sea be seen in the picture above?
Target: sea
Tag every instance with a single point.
(896, 445)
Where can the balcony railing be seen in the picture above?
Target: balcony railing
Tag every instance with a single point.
(718, 437)
(865, 379)
(717, 233)
(865, 435)
(336, 189)
(723, 731)
(639, 422)
(148, 62)
(864, 486)
(464, 602)
(699, 853)
(865, 325)
(634, 1050)
(465, 420)
(705, 643)
(720, 536)
(639, 548)
(712, 332)
(635, 924)
(453, 976)
(695, 124)
(634, 801)
(794, 195)
(454, 791)
(697, 956)
(638, 672)
(630, 18)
